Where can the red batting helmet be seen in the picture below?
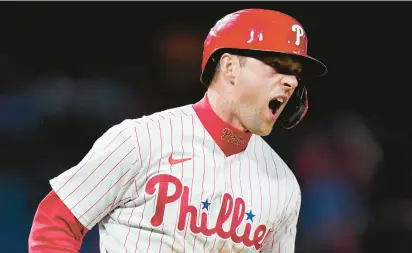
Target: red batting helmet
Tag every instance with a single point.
(262, 31)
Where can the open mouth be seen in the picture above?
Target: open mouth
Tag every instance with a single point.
(275, 104)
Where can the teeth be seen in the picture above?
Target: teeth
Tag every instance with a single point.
(280, 100)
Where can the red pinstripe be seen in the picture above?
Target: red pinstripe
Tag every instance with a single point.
(144, 196)
(284, 168)
(287, 219)
(183, 148)
(171, 145)
(291, 215)
(137, 194)
(158, 170)
(193, 177)
(131, 179)
(138, 145)
(110, 206)
(240, 178)
(231, 185)
(118, 216)
(104, 194)
(181, 179)
(128, 232)
(101, 180)
(203, 180)
(95, 169)
(260, 186)
(76, 172)
(250, 182)
(284, 210)
(277, 202)
(122, 201)
(241, 191)
(214, 184)
(137, 191)
(291, 196)
(114, 138)
(269, 184)
(214, 242)
(222, 246)
(183, 112)
(273, 241)
(230, 175)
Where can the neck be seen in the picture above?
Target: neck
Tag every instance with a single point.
(221, 103)
(219, 121)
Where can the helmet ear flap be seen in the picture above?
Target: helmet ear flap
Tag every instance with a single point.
(210, 68)
(296, 108)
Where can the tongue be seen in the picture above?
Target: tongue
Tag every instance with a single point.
(272, 111)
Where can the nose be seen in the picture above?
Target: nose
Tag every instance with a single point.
(289, 82)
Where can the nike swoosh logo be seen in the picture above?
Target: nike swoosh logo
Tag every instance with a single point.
(176, 161)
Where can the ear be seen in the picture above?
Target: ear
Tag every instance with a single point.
(228, 65)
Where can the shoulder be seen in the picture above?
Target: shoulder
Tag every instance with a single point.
(141, 124)
(146, 132)
(159, 117)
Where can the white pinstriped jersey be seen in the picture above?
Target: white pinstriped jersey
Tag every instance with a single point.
(162, 183)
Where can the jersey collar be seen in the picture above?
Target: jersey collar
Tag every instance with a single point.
(230, 139)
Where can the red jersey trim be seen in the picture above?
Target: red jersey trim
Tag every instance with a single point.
(230, 139)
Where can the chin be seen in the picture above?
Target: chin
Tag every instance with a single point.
(263, 134)
(264, 130)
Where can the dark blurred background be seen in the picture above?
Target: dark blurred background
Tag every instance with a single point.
(69, 71)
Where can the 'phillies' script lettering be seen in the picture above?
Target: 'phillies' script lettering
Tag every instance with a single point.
(229, 136)
(229, 207)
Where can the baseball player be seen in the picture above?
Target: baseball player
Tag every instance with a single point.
(197, 178)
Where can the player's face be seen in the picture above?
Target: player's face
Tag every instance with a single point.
(263, 89)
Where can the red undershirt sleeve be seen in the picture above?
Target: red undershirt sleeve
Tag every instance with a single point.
(55, 229)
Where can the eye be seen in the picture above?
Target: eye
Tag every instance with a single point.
(296, 73)
(275, 65)
(284, 70)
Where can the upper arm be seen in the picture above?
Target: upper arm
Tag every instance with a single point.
(96, 185)
(282, 239)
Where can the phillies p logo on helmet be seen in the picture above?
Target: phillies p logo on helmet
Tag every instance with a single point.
(299, 33)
